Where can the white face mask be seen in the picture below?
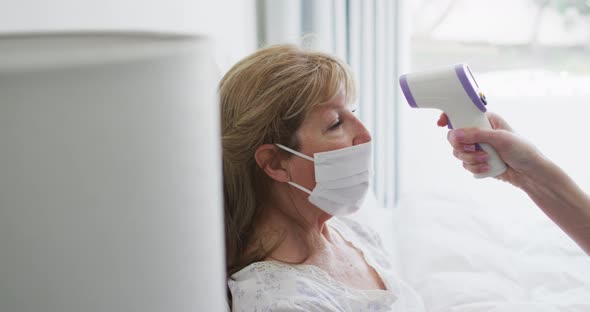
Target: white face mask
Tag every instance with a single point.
(342, 178)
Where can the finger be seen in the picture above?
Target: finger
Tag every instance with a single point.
(457, 140)
(455, 137)
(481, 168)
(470, 136)
(476, 158)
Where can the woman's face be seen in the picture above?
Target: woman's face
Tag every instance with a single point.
(327, 127)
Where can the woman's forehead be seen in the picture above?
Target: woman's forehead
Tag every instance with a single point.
(328, 109)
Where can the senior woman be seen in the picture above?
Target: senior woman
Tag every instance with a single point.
(296, 161)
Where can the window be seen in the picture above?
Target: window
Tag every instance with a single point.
(531, 59)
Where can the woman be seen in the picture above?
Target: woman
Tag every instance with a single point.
(545, 183)
(295, 156)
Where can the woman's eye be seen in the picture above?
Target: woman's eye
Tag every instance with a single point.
(336, 125)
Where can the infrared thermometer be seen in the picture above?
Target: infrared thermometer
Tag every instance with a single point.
(453, 90)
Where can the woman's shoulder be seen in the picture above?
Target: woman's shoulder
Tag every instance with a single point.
(275, 276)
(277, 286)
(267, 273)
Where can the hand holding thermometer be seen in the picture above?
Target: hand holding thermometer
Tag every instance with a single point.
(454, 91)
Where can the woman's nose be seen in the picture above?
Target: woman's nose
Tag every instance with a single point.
(363, 136)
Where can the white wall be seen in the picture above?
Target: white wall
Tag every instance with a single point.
(231, 23)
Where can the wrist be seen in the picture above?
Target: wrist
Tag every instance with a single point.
(542, 173)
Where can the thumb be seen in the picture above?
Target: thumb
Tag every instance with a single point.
(498, 122)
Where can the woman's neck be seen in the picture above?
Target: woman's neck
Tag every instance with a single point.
(298, 233)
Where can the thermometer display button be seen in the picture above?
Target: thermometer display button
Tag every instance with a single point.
(483, 98)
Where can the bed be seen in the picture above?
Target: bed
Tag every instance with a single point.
(464, 255)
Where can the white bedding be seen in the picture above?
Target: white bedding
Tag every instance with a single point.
(461, 255)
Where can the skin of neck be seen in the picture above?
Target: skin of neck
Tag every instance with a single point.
(299, 225)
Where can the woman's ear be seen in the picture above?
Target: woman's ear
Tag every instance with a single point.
(270, 159)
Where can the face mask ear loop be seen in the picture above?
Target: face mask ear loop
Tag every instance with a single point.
(299, 187)
(302, 156)
(294, 152)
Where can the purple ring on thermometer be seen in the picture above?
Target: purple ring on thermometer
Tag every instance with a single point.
(462, 71)
(403, 82)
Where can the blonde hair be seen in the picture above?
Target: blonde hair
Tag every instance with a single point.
(264, 99)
